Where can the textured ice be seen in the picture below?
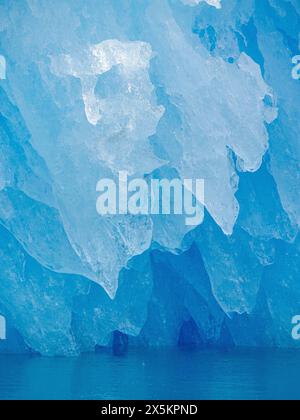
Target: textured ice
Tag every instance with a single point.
(158, 89)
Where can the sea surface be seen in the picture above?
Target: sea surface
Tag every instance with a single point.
(159, 374)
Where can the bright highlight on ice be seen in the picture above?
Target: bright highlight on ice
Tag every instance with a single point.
(215, 3)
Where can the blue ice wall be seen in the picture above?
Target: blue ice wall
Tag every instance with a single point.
(200, 89)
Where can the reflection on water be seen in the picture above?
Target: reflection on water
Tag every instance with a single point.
(160, 374)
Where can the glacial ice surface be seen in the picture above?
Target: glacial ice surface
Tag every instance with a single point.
(157, 88)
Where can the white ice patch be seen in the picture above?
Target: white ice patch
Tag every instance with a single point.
(132, 60)
(215, 3)
(119, 99)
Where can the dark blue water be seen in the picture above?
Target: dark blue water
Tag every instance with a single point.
(154, 375)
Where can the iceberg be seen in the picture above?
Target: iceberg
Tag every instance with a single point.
(160, 89)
